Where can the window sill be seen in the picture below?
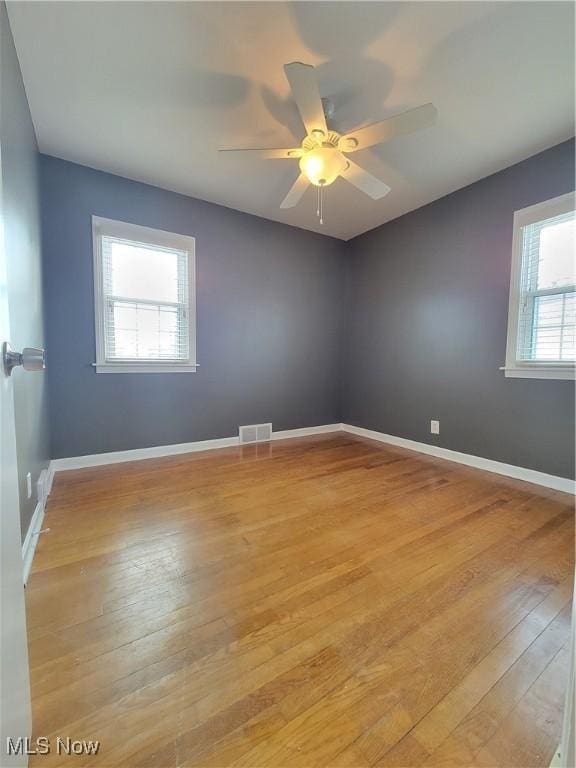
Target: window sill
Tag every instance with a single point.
(540, 372)
(145, 367)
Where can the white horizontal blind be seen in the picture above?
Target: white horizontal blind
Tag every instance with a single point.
(146, 301)
(547, 301)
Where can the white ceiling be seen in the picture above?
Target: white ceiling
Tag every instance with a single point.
(151, 90)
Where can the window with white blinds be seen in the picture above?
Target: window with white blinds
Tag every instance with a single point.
(542, 317)
(144, 289)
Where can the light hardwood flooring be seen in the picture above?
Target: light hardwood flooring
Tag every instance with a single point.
(315, 602)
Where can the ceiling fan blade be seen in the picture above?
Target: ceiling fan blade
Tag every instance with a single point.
(268, 154)
(296, 191)
(304, 85)
(364, 181)
(398, 125)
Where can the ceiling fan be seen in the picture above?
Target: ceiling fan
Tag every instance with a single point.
(323, 152)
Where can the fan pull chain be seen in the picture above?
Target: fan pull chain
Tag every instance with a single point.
(319, 204)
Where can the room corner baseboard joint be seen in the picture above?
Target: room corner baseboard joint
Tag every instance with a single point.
(489, 465)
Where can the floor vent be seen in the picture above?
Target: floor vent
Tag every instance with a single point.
(256, 433)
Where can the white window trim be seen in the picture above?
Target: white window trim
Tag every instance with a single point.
(527, 369)
(122, 229)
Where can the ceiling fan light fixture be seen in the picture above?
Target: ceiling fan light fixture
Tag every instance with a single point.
(322, 165)
(321, 153)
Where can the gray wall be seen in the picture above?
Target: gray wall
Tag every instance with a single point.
(426, 332)
(415, 311)
(269, 306)
(22, 240)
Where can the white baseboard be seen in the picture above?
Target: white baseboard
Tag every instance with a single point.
(29, 546)
(488, 465)
(44, 486)
(49, 479)
(323, 429)
(137, 454)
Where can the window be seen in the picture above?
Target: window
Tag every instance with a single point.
(144, 299)
(542, 313)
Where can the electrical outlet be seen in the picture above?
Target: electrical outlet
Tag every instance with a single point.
(29, 485)
(434, 427)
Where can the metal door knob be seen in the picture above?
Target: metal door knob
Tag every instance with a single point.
(30, 359)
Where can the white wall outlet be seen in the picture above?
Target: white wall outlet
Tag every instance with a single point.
(434, 427)
(29, 485)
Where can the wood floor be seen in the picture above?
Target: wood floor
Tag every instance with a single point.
(315, 602)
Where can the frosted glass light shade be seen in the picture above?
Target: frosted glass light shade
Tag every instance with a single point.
(322, 165)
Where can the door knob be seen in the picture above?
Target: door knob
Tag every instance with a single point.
(30, 359)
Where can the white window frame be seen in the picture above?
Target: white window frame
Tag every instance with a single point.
(109, 228)
(528, 368)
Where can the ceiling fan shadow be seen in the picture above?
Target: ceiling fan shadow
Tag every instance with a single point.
(284, 111)
(358, 87)
(216, 89)
(342, 29)
(197, 87)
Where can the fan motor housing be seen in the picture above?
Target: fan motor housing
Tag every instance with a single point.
(321, 139)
